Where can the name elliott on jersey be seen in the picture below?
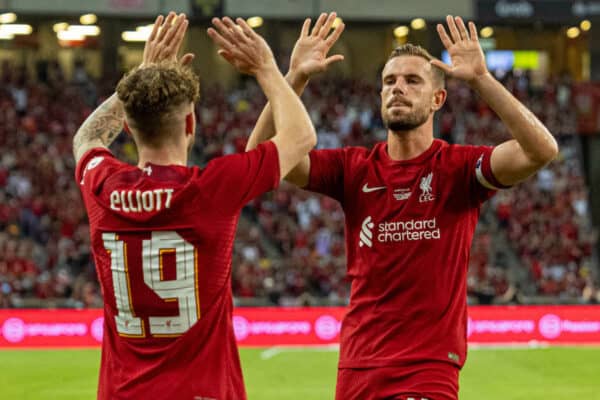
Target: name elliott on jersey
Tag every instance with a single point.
(141, 200)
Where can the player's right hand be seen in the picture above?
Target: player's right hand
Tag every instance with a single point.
(165, 40)
(243, 48)
(309, 56)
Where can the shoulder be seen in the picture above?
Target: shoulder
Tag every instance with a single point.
(251, 167)
(265, 150)
(462, 149)
(359, 154)
(356, 151)
(97, 162)
(464, 152)
(338, 159)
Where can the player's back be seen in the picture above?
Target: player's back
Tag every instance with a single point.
(162, 239)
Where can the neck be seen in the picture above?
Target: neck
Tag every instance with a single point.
(407, 145)
(166, 155)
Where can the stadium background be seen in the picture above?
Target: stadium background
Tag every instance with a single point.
(536, 244)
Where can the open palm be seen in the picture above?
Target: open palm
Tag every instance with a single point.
(243, 48)
(166, 39)
(468, 60)
(309, 56)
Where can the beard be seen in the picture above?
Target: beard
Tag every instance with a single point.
(406, 122)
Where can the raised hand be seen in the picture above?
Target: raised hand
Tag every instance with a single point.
(165, 40)
(468, 60)
(243, 48)
(309, 56)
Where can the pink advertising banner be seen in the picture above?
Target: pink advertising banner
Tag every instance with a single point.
(559, 325)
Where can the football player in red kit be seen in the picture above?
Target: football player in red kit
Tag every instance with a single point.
(411, 205)
(162, 232)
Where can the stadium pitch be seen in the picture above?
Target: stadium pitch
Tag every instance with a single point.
(309, 374)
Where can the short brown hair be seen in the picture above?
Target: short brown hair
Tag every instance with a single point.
(410, 49)
(152, 95)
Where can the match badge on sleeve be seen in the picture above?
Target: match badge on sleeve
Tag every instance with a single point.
(93, 163)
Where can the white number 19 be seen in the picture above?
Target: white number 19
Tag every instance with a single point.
(183, 289)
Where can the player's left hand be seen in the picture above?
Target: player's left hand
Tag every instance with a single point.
(309, 56)
(468, 60)
(165, 40)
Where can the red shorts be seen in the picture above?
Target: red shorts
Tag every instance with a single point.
(429, 381)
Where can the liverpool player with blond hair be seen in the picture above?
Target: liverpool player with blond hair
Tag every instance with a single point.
(162, 232)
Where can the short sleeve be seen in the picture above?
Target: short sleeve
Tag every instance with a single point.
(94, 167)
(234, 180)
(482, 181)
(327, 173)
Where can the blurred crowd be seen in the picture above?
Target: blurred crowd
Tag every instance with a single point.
(44, 240)
(290, 246)
(545, 220)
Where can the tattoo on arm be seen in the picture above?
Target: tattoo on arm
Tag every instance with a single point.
(101, 128)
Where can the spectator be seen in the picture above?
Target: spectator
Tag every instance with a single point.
(290, 244)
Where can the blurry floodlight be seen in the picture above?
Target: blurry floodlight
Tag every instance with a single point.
(585, 25)
(418, 23)
(60, 26)
(255, 22)
(573, 32)
(136, 36)
(16, 29)
(8, 18)
(401, 31)
(6, 36)
(145, 28)
(486, 32)
(70, 36)
(88, 19)
(85, 30)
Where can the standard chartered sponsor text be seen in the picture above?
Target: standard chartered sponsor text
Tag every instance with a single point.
(414, 229)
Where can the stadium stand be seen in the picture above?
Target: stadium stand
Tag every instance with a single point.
(290, 244)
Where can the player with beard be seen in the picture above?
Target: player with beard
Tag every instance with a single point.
(411, 205)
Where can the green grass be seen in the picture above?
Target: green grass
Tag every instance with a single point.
(540, 374)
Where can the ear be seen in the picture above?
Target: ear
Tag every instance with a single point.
(439, 98)
(126, 128)
(189, 124)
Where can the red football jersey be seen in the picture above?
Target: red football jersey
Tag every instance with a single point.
(162, 239)
(409, 227)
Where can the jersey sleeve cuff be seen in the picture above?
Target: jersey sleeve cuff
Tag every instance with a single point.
(273, 152)
(312, 173)
(484, 174)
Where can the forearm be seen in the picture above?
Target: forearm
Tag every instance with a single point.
(265, 126)
(533, 137)
(101, 128)
(289, 118)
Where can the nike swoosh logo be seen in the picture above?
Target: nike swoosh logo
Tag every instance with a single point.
(368, 189)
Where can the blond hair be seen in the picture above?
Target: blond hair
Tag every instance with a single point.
(153, 95)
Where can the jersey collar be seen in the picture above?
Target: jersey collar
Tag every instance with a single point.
(421, 158)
